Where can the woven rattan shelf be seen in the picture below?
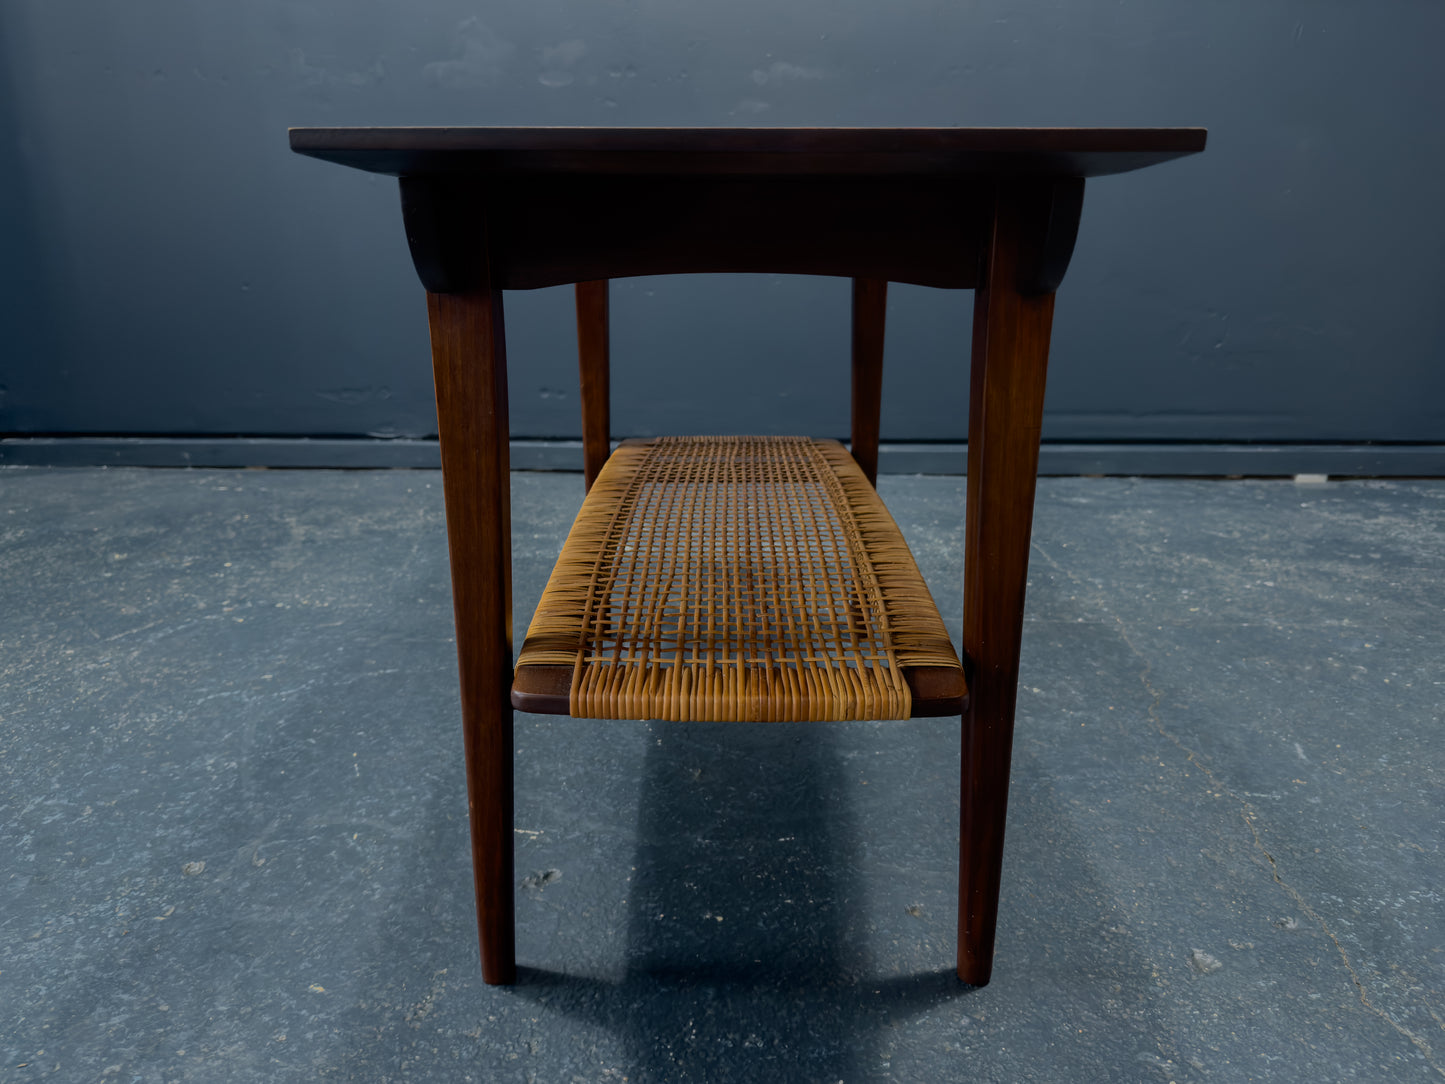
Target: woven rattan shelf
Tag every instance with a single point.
(736, 578)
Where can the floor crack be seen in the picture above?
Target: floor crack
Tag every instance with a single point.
(1247, 813)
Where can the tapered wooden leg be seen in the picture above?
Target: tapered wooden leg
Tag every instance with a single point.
(469, 361)
(870, 307)
(1006, 402)
(592, 359)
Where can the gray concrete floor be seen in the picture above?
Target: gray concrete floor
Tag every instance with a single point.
(234, 843)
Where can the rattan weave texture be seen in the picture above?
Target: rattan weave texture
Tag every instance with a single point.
(736, 578)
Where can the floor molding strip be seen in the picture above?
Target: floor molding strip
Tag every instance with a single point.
(1157, 460)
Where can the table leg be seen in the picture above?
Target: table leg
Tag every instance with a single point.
(592, 360)
(1006, 400)
(469, 361)
(870, 307)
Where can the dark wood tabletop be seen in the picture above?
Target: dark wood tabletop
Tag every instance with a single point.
(579, 204)
(1067, 152)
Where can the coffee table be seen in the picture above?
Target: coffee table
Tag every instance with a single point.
(741, 578)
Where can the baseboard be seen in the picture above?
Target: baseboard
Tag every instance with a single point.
(1196, 460)
(1219, 460)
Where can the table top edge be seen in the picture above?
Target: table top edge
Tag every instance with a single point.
(1081, 152)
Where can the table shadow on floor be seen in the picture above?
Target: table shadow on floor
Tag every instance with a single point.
(747, 945)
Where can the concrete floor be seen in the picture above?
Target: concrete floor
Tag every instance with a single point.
(231, 800)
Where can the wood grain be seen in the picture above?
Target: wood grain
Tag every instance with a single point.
(594, 369)
(469, 363)
(1006, 401)
(870, 310)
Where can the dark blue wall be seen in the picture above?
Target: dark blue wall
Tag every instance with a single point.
(169, 267)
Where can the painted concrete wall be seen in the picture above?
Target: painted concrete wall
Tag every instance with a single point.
(167, 266)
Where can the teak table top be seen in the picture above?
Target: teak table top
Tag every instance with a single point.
(1071, 152)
